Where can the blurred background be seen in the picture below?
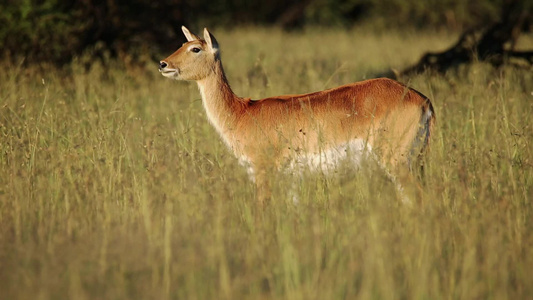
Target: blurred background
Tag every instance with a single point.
(56, 31)
(113, 185)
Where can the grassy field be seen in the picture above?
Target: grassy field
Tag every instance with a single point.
(114, 186)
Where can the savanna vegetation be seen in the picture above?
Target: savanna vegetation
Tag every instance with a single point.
(58, 31)
(114, 186)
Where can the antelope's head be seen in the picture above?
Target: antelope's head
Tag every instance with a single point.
(194, 60)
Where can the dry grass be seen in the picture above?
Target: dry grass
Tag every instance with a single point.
(114, 186)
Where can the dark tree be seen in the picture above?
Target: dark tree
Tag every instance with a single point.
(494, 44)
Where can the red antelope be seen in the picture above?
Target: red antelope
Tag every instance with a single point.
(378, 118)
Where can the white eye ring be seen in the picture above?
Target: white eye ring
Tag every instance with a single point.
(196, 50)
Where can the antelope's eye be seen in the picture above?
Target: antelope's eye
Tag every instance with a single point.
(195, 50)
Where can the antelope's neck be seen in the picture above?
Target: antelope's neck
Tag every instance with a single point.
(221, 104)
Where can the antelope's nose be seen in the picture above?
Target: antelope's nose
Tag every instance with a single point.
(162, 65)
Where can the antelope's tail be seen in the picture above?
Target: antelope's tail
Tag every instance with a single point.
(421, 142)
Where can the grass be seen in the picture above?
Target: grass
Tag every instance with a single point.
(114, 186)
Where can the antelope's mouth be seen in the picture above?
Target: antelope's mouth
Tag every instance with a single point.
(169, 72)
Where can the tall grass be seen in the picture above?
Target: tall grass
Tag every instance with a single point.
(114, 186)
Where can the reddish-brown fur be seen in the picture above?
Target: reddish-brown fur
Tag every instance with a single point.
(268, 132)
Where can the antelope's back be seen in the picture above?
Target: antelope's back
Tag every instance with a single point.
(382, 112)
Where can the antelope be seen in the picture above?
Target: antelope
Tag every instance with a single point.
(378, 118)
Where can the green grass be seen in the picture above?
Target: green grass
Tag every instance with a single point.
(114, 186)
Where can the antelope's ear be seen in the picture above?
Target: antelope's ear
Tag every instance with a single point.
(189, 35)
(210, 40)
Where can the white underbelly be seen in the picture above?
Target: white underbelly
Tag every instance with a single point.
(327, 160)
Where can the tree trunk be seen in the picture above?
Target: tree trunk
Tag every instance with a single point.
(495, 44)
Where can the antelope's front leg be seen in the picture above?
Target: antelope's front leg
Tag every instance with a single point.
(263, 187)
